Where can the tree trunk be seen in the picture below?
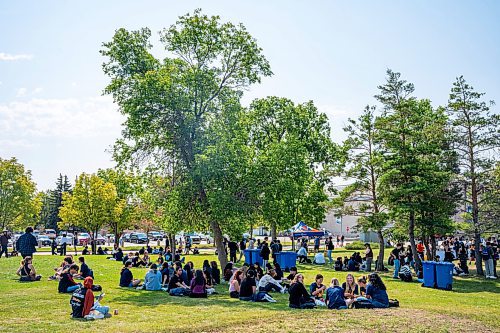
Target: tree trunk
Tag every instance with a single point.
(274, 234)
(380, 260)
(433, 247)
(479, 259)
(411, 231)
(221, 251)
(94, 244)
(430, 257)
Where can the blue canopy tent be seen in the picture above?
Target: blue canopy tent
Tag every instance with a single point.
(303, 230)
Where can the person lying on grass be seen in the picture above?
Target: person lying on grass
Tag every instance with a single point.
(335, 298)
(127, 278)
(26, 270)
(67, 284)
(85, 305)
(299, 297)
(248, 290)
(176, 286)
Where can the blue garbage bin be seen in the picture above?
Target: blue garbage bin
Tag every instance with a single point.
(444, 275)
(253, 256)
(286, 260)
(429, 270)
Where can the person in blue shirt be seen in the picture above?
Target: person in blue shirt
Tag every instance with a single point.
(352, 265)
(376, 292)
(335, 298)
(152, 280)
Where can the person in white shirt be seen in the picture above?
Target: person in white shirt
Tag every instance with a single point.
(319, 259)
(268, 283)
(64, 242)
(251, 244)
(302, 254)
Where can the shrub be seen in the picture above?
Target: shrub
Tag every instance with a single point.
(358, 245)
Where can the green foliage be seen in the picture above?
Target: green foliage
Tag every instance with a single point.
(358, 245)
(19, 202)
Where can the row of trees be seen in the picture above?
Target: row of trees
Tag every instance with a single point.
(193, 158)
(417, 166)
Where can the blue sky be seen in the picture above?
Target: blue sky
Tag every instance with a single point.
(54, 119)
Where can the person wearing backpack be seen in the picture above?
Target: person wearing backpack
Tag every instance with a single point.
(264, 253)
(487, 256)
(83, 301)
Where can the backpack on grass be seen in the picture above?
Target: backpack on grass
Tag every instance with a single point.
(393, 303)
(362, 304)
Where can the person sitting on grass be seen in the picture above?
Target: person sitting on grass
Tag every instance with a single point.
(299, 297)
(84, 269)
(85, 250)
(165, 274)
(352, 265)
(215, 272)
(376, 292)
(268, 283)
(198, 285)
(279, 271)
(67, 284)
(100, 251)
(160, 260)
(302, 254)
(228, 271)
(293, 272)
(362, 286)
(338, 265)
(118, 255)
(127, 278)
(259, 273)
(209, 285)
(146, 259)
(152, 280)
(176, 286)
(405, 272)
(317, 288)
(319, 259)
(234, 285)
(248, 290)
(335, 298)
(26, 271)
(351, 289)
(84, 304)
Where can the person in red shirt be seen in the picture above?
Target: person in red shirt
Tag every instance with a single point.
(420, 249)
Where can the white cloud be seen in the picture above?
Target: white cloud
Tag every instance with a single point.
(15, 57)
(62, 118)
(37, 90)
(6, 143)
(21, 92)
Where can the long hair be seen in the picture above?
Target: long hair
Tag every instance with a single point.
(348, 285)
(208, 276)
(237, 275)
(199, 279)
(376, 281)
(296, 277)
(205, 264)
(335, 283)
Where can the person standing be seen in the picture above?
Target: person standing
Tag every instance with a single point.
(369, 257)
(64, 244)
(264, 253)
(233, 248)
(243, 246)
(4, 242)
(342, 240)
(316, 244)
(26, 244)
(53, 246)
(329, 249)
(487, 256)
(397, 263)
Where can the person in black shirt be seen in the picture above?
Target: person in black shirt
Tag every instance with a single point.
(67, 284)
(176, 286)
(84, 269)
(293, 272)
(243, 247)
(338, 264)
(299, 297)
(275, 248)
(329, 249)
(279, 271)
(397, 263)
(119, 255)
(215, 272)
(264, 253)
(248, 289)
(126, 277)
(233, 248)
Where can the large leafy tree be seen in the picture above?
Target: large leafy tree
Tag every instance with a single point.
(293, 149)
(91, 206)
(477, 139)
(171, 104)
(365, 158)
(19, 202)
(413, 137)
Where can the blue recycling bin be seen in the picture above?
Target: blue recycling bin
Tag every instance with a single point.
(429, 269)
(253, 256)
(444, 275)
(286, 260)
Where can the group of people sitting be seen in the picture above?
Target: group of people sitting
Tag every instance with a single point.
(248, 283)
(176, 279)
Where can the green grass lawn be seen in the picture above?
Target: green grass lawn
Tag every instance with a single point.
(472, 306)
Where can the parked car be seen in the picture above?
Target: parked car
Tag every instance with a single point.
(195, 238)
(83, 238)
(111, 238)
(46, 241)
(100, 240)
(51, 233)
(138, 238)
(70, 238)
(155, 235)
(206, 237)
